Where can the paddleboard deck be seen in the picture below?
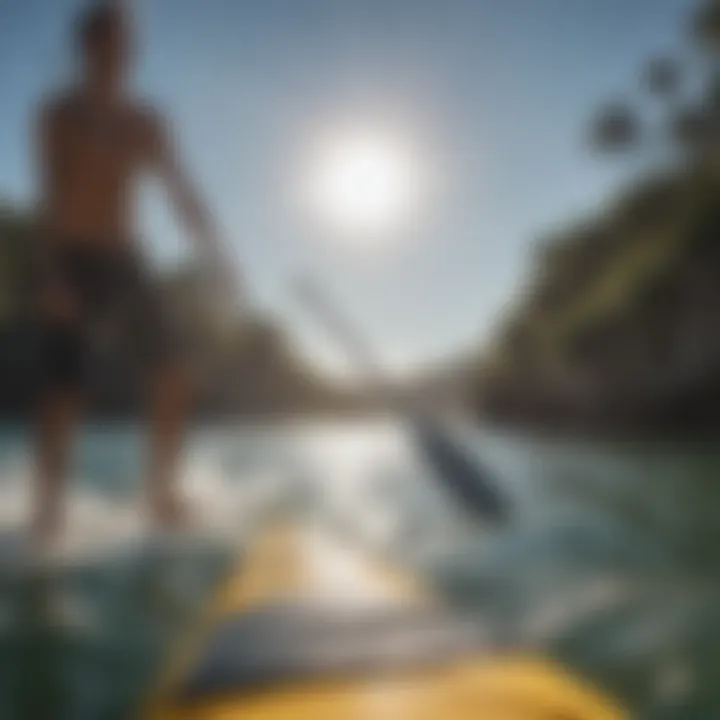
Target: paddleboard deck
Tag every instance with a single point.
(305, 628)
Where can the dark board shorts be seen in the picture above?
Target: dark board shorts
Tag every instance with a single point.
(116, 306)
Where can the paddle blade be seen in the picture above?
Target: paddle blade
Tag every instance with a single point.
(471, 485)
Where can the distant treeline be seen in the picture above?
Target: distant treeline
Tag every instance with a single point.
(242, 367)
(618, 328)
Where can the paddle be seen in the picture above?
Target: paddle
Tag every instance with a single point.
(473, 488)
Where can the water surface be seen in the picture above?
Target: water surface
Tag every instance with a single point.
(610, 564)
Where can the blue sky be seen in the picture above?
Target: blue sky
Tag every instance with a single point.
(496, 93)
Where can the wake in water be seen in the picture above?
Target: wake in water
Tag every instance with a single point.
(106, 512)
(581, 574)
(88, 628)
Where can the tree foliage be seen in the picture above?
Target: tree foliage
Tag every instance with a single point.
(618, 323)
(616, 129)
(706, 26)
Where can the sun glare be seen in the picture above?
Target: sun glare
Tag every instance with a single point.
(363, 187)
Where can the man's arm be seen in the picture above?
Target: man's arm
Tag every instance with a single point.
(182, 192)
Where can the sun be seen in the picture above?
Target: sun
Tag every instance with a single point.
(363, 186)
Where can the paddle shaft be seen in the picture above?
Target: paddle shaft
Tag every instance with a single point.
(356, 346)
(474, 490)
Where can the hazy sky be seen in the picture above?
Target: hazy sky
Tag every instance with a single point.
(494, 94)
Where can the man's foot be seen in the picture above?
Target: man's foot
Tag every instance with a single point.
(45, 534)
(169, 511)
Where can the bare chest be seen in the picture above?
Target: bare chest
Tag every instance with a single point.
(98, 148)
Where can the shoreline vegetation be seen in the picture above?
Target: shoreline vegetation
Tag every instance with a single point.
(617, 330)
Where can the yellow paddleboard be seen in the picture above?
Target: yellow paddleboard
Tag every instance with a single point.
(306, 629)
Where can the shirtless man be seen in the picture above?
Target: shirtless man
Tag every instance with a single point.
(94, 142)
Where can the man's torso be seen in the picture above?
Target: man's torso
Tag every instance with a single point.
(93, 153)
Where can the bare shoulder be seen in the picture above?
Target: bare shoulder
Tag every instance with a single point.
(58, 108)
(149, 125)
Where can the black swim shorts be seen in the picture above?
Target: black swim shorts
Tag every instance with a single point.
(116, 308)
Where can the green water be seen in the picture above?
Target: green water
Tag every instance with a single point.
(610, 563)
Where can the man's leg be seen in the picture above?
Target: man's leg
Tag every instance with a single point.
(172, 394)
(61, 350)
(58, 416)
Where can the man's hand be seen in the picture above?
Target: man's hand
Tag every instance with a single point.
(219, 274)
(57, 302)
(220, 277)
